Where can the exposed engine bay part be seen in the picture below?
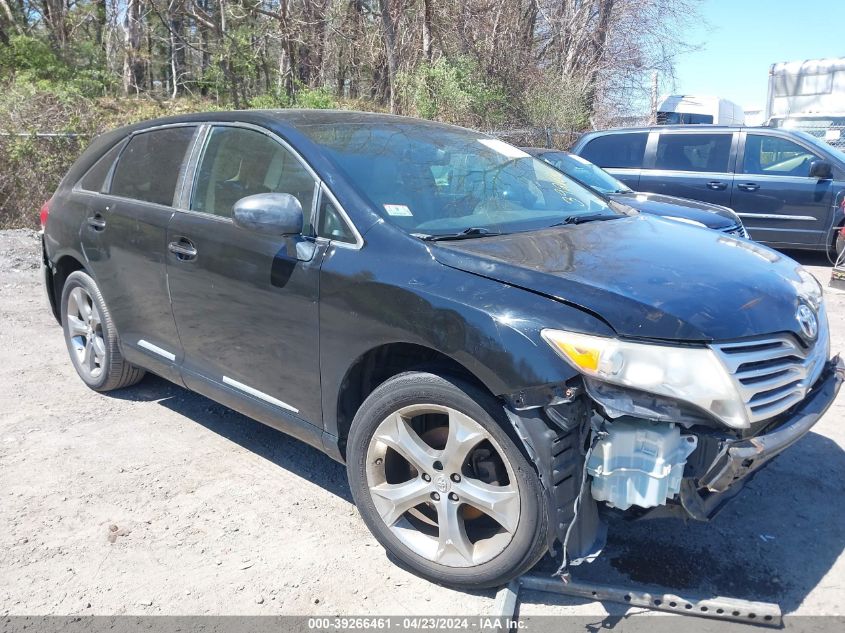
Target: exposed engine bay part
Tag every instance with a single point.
(559, 456)
(616, 402)
(639, 463)
(644, 468)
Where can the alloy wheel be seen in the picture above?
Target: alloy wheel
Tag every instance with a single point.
(85, 332)
(443, 485)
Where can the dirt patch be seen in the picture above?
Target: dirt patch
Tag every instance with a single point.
(20, 250)
(657, 563)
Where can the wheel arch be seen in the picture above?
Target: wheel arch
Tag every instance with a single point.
(60, 271)
(381, 363)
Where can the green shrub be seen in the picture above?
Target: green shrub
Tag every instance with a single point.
(453, 91)
(315, 98)
(304, 97)
(30, 60)
(557, 103)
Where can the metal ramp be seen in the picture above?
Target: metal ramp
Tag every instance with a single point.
(745, 611)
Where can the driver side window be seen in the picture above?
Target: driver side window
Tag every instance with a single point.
(238, 162)
(770, 155)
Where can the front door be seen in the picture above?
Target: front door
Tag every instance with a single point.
(246, 303)
(774, 195)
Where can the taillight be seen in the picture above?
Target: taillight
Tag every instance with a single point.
(45, 213)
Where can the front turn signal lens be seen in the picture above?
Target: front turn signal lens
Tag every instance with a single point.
(582, 356)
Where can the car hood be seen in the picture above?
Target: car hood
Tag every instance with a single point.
(645, 276)
(710, 215)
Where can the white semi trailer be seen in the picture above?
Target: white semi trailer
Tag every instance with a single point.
(810, 96)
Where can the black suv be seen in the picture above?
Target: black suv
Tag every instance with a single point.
(787, 186)
(452, 318)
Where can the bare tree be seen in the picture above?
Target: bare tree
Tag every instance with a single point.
(133, 66)
(389, 33)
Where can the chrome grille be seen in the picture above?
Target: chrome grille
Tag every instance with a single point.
(772, 374)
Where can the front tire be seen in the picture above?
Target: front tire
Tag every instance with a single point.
(92, 338)
(441, 483)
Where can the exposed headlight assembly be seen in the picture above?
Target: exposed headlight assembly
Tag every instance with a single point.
(691, 374)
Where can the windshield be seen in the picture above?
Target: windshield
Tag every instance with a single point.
(584, 171)
(838, 154)
(433, 180)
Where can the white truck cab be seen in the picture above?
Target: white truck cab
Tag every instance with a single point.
(678, 109)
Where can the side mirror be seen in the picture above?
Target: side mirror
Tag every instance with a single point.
(821, 169)
(269, 213)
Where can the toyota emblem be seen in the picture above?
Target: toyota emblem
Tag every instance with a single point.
(808, 322)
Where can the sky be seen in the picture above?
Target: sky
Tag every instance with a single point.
(743, 38)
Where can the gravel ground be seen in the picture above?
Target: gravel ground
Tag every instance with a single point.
(154, 500)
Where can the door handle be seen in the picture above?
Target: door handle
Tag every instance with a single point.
(96, 222)
(748, 186)
(183, 249)
(717, 185)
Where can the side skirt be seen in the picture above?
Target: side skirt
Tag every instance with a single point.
(274, 416)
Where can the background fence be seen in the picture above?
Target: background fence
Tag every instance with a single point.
(832, 134)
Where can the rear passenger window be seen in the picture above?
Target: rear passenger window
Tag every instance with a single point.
(95, 179)
(775, 156)
(149, 167)
(617, 150)
(694, 152)
(238, 162)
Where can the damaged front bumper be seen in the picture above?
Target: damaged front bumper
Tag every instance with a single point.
(561, 435)
(738, 459)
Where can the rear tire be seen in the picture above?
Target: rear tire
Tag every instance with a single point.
(91, 337)
(441, 483)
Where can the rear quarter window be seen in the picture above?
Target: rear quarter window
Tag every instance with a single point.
(95, 179)
(148, 169)
(623, 151)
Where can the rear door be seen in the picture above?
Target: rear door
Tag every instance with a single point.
(774, 195)
(245, 303)
(691, 164)
(124, 238)
(620, 153)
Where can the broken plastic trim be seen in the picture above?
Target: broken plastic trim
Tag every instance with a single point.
(560, 459)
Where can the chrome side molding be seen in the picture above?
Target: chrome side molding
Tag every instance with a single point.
(258, 394)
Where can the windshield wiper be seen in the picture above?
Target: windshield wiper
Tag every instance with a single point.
(466, 234)
(588, 217)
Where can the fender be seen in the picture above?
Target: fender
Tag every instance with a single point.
(490, 328)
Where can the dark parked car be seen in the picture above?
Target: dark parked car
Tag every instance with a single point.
(449, 316)
(711, 216)
(785, 185)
